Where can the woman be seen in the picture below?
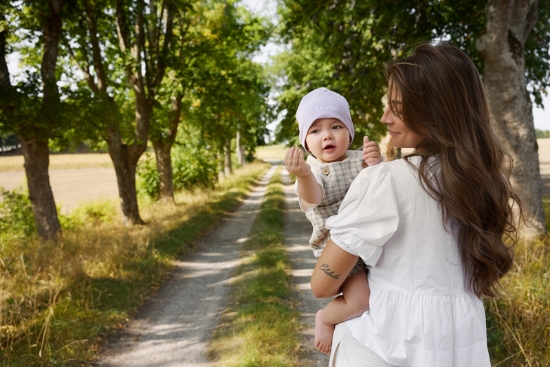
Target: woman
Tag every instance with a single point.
(430, 227)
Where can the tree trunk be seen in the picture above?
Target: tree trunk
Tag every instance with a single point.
(508, 25)
(221, 171)
(227, 166)
(35, 143)
(164, 167)
(125, 160)
(241, 157)
(162, 144)
(36, 155)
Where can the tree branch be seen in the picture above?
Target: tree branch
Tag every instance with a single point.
(96, 50)
(84, 69)
(4, 71)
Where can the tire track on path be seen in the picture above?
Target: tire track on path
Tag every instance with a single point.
(173, 328)
(297, 230)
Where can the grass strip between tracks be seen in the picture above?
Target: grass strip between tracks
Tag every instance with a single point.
(260, 326)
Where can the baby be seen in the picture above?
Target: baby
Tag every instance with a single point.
(326, 132)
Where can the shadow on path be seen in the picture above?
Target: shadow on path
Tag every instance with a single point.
(173, 328)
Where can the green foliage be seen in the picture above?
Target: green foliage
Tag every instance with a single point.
(542, 134)
(90, 214)
(228, 93)
(193, 167)
(518, 323)
(16, 216)
(342, 45)
(148, 180)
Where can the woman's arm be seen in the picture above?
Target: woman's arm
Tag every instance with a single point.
(331, 270)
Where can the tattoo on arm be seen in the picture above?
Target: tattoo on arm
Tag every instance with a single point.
(329, 272)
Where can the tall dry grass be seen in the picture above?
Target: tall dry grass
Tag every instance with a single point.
(58, 300)
(518, 323)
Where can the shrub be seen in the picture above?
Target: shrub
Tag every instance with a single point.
(16, 215)
(192, 168)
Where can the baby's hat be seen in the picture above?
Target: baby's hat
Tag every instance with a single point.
(322, 103)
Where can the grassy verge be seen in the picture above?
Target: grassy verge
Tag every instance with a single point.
(260, 327)
(518, 324)
(58, 301)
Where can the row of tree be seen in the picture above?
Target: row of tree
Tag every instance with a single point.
(123, 73)
(342, 44)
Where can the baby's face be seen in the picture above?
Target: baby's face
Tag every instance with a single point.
(328, 140)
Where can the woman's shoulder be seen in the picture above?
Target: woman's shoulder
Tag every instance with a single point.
(397, 173)
(396, 166)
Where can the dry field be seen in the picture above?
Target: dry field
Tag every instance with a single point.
(75, 178)
(80, 178)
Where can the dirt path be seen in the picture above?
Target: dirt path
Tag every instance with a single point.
(173, 328)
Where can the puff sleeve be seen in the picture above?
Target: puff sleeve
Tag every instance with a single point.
(368, 215)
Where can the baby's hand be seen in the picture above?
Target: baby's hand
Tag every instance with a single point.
(295, 164)
(371, 152)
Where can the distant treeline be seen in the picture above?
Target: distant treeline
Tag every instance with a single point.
(542, 133)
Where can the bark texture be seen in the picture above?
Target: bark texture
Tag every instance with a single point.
(164, 167)
(241, 155)
(37, 159)
(509, 23)
(125, 158)
(227, 165)
(162, 144)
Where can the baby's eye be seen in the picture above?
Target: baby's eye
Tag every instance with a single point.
(314, 131)
(335, 127)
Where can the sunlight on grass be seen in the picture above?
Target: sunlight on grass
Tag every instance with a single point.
(58, 301)
(519, 322)
(260, 327)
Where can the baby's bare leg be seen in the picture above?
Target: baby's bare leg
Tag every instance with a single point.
(353, 302)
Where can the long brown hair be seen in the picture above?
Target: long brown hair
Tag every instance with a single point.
(443, 99)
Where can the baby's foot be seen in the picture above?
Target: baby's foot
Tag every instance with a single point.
(323, 334)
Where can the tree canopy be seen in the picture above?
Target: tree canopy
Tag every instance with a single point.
(343, 45)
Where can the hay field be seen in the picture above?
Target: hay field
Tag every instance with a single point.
(61, 161)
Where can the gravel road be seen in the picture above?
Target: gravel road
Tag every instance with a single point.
(173, 328)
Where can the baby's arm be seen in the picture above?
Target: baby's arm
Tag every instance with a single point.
(371, 152)
(308, 187)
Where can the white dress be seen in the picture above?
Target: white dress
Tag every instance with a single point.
(421, 311)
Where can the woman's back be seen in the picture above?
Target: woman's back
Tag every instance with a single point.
(422, 256)
(422, 312)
